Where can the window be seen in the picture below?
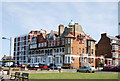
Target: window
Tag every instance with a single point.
(21, 43)
(80, 50)
(60, 59)
(62, 49)
(69, 50)
(45, 44)
(82, 41)
(40, 38)
(115, 47)
(50, 59)
(115, 55)
(67, 59)
(69, 40)
(26, 37)
(83, 50)
(51, 43)
(89, 43)
(33, 46)
(114, 41)
(57, 50)
(58, 43)
(38, 44)
(57, 59)
(92, 51)
(16, 44)
(26, 42)
(34, 40)
(66, 41)
(92, 60)
(34, 60)
(42, 45)
(63, 42)
(16, 39)
(54, 43)
(21, 38)
(92, 43)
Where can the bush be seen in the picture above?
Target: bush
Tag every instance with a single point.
(101, 64)
(65, 67)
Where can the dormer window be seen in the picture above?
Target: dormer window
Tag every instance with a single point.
(114, 41)
(33, 41)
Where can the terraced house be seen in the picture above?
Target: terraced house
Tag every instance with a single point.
(108, 49)
(69, 46)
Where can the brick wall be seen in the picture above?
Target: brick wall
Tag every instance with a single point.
(103, 47)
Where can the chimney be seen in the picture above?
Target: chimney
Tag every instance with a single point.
(103, 34)
(118, 36)
(60, 29)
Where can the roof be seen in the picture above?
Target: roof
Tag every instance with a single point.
(55, 32)
(69, 35)
(111, 37)
(90, 38)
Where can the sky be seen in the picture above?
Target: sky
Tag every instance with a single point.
(19, 18)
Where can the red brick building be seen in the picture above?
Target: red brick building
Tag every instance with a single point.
(108, 48)
(69, 46)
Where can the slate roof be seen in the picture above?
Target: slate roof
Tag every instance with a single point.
(111, 37)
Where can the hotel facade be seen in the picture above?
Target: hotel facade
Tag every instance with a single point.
(69, 46)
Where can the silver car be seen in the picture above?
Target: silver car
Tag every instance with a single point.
(87, 69)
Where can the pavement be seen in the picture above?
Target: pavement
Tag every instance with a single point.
(108, 72)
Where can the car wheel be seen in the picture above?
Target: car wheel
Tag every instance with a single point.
(93, 71)
(48, 69)
(78, 71)
(87, 71)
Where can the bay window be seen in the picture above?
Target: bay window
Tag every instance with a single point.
(67, 59)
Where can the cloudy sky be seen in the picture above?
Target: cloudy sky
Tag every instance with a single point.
(19, 18)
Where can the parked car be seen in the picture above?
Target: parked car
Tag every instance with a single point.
(108, 68)
(43, 67)
(87, 69)
(54, 67)
(117, 68)
(22, 66)
(30, 66)
(111, 68)
(36, 66)
(14, 65)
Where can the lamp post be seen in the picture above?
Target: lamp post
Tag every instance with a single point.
(10, 39)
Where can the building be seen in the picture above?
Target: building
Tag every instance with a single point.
(108, 49)
(21, 47)
(6, 60)
(69, 46)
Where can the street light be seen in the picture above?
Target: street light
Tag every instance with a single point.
(10, 39)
